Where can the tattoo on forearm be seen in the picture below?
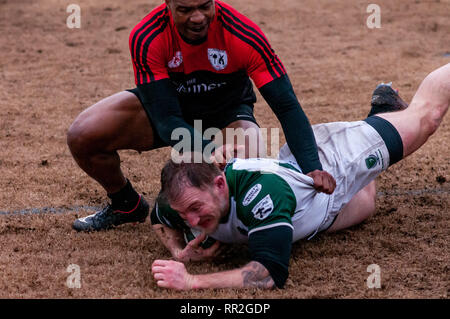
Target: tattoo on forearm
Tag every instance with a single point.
(255, 275)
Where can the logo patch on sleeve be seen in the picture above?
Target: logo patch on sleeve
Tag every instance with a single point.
(263, 208)
(251, 194)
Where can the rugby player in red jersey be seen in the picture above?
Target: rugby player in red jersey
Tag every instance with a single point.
(192, 60)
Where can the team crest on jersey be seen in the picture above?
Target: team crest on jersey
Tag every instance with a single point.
(263, 208)
(251, 194)
(218, 58)
(176, 60)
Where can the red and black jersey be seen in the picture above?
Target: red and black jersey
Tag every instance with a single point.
(179, 80)
(211, 75)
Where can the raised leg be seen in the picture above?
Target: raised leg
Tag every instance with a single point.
(415, 125)
(425, 112)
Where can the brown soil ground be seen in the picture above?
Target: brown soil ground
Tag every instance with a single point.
(50, 73)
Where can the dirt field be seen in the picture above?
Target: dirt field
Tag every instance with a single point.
(50, 73)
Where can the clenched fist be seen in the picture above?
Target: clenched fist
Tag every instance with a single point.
(323, 181)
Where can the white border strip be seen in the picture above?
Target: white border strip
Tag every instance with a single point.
(270, 226)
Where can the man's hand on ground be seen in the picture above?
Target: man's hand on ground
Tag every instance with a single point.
(172, 274)
(194, 252)
(323, 181)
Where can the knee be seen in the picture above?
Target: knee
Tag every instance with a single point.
(80, 136)
(439, 83)
(434, 117)
(433, 98)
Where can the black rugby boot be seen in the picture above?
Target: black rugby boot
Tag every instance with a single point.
(386, 99)
(109, 218)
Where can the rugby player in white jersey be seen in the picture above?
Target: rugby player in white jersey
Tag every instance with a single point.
(269, 203)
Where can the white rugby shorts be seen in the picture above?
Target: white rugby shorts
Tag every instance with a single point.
(354, 153)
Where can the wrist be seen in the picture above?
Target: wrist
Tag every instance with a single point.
(192, 282)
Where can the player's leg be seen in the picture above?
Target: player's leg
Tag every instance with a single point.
(414, 125)
(360, 208)
(363, 204)
(116, 122)
(426, 111)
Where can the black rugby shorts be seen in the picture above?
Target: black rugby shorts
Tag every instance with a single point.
(220, 119)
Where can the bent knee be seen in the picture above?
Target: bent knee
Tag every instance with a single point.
(82, 136)
(434, 118)
(75, 139)
(432, 99)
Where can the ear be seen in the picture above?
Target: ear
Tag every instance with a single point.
(220, 181)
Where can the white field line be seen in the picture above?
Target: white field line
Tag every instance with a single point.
(70, 209)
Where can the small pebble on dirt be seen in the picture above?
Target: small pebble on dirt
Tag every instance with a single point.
(441, 179)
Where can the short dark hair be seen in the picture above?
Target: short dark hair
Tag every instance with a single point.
(176, 176)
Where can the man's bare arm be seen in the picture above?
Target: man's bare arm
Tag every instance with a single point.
(173, 275)
(172, 239)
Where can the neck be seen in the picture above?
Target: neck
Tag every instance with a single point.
(193, 42)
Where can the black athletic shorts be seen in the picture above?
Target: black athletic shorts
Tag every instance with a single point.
(218, 120)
